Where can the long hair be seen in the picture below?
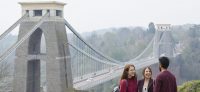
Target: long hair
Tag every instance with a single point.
(143, 72)
(125, 72)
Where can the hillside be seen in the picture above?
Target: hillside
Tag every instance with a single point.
(191, 86)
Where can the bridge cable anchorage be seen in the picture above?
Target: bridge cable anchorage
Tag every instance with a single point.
(13, 26)
(78, 35)
(92, 57)
(14, 46)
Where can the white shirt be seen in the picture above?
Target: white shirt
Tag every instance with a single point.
(144, 89)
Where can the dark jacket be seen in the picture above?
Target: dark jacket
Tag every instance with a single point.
(141, 83)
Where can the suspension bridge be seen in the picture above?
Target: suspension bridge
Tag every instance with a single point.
(51, 55)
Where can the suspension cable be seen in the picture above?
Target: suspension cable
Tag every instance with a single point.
(13, 26)
(14, 46)
(78, 35)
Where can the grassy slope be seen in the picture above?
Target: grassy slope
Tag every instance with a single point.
(191, 86)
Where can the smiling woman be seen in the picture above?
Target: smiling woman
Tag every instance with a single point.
(146, 84)
(128, 82)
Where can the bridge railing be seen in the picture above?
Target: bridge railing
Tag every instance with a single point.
(85, 65)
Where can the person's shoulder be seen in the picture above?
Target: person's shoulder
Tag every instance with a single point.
(164, 74)
(161, 75)
(123, 81)
(139, 81)
(170, 74)
(173, 76)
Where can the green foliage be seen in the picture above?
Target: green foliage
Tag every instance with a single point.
(191, 54)
(191, 86)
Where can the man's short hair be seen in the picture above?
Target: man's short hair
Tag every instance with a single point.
(164, 62)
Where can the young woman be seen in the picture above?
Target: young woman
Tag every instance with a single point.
(146, 84)
(128, 82)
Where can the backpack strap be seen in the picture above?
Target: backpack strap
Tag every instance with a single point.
(126, 85)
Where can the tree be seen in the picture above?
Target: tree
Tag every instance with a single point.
(151, 28)
(5, 76)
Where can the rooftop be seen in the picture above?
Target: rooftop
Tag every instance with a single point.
(43, 2)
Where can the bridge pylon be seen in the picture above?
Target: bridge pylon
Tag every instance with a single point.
(163, 41)
(30, 54)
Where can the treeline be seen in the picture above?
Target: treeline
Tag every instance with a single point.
(122, 43)
(189, 38)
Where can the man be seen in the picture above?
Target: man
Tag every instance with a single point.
(165, 81)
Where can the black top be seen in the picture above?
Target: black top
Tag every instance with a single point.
(141, 84)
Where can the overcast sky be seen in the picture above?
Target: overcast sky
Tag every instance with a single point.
(89, 15)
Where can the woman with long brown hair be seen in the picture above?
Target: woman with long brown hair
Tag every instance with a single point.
(128, 82)
(146, 84)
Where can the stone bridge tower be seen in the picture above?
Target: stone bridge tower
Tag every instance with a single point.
(43, 51)
(163, 41)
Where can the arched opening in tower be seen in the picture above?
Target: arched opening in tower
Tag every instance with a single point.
(37, 43)
(36, 67)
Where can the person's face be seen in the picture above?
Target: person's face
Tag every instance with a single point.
(131, 71)
(147, 73)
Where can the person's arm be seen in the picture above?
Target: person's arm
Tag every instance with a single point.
(151, 86)
(175, 90)
(157, 85)
(123, 86)
(138, 86)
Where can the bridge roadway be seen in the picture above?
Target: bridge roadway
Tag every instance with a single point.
(109, 74)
